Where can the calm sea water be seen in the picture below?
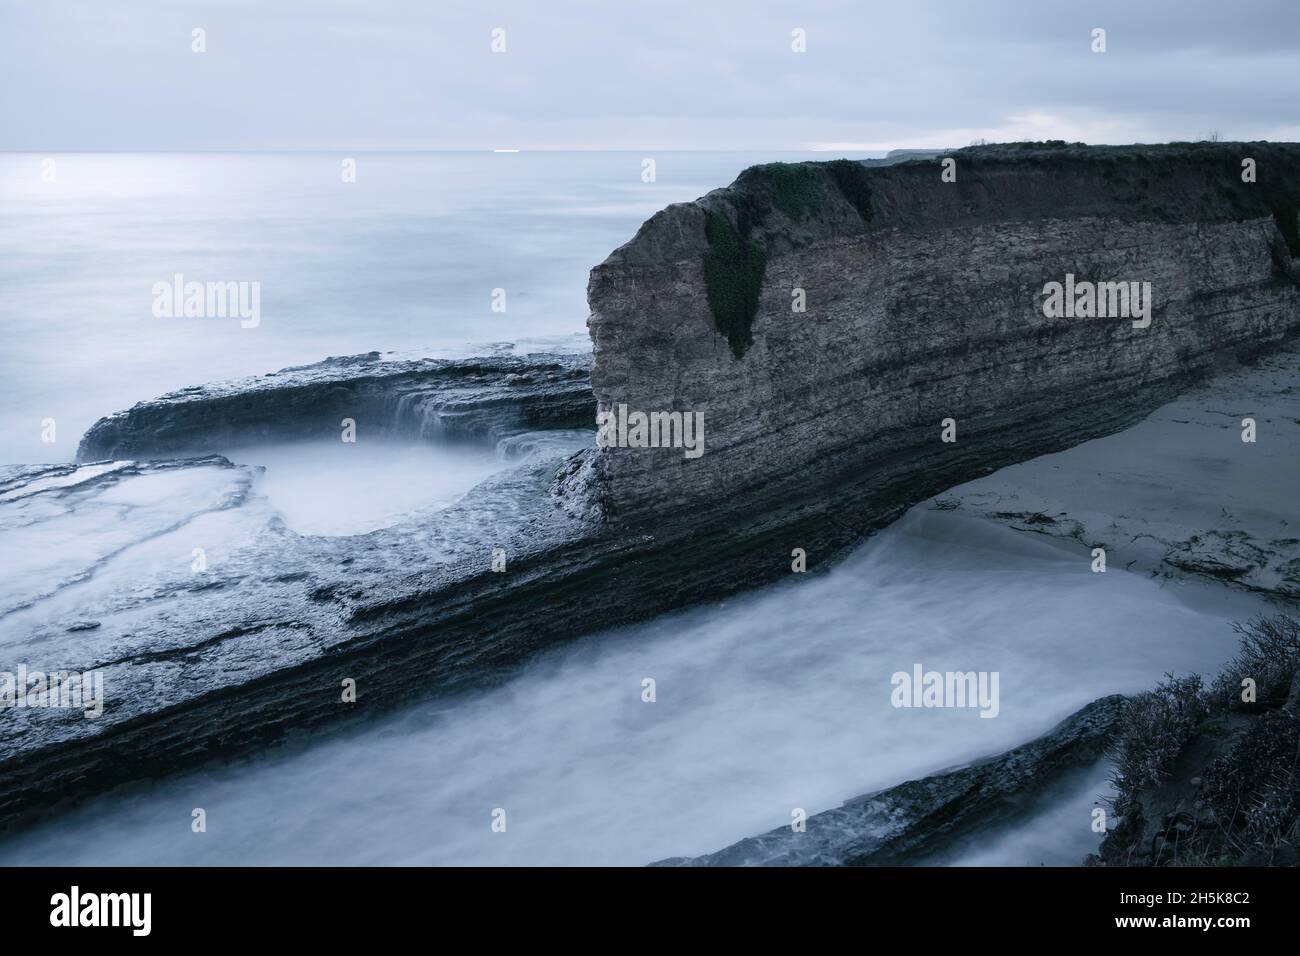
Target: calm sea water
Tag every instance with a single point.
(404, 258)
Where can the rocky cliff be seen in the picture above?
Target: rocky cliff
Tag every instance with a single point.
(924, 301)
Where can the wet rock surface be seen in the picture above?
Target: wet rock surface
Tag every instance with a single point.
(907, 822)
(215, 627)
(427, 399)
(201, 659)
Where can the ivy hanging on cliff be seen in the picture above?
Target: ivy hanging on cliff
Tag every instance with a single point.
(733, 277)
(797, 189)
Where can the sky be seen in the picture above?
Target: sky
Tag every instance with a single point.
(668, 74)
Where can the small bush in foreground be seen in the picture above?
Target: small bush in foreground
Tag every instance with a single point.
(1156, 727)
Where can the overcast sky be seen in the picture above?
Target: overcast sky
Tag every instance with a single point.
(664, 74)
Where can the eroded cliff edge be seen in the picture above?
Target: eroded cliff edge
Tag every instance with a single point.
(923, 303)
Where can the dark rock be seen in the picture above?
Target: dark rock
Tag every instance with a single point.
(430, 399)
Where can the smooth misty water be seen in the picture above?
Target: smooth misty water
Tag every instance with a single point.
(775, 700)
(404, 259)
(333, 488)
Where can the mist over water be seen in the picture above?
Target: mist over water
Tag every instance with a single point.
(335, 488)
(774, 700)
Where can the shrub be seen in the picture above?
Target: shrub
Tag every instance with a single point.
(1247, 811)
(1269, 654)
(1155, 729)
(797, 189)
(1253, 789)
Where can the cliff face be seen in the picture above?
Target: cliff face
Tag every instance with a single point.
(924, 301)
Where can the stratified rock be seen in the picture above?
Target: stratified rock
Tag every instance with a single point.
(429, 399)
(923, 817)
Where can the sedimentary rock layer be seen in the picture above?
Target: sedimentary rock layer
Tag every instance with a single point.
(430, 399)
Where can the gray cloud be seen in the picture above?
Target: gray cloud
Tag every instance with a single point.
(401, 74)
